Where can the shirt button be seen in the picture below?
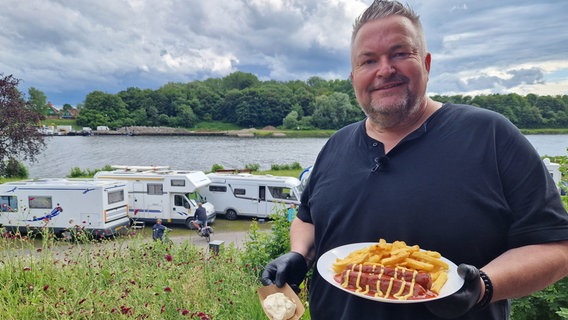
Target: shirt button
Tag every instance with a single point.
(375, 144)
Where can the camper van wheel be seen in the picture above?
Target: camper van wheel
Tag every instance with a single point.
(231, 214)
(189, 223)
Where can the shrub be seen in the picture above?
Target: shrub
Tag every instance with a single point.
(262, 247)
(77, 172)
(216, 167)
(15, 169)
(293, 166)
(253, 166)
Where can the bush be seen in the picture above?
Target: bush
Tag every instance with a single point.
(293, 166)
(77, 172)
(216, 167)
(253, 166)
(262, 247)
(15, 169)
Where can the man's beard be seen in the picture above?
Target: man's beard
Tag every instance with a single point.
(388, 116)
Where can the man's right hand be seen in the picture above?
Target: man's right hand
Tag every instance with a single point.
(289, 268)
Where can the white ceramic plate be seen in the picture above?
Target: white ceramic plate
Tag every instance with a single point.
(326, 261)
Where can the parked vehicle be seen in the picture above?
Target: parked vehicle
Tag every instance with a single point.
(62, 205)
(244, 194)
(554, 170)
(158, 192)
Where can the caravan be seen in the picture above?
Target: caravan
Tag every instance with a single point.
(61, 205)
(245, 194)
(158, 192)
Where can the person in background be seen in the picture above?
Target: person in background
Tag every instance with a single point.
(158, 230)
(291, 212)
(200, 217)
(456, 179)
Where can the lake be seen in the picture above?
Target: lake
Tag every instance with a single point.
(198, 153)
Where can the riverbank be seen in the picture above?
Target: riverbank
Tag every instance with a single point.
(266, 132)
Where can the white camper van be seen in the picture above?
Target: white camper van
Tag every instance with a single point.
(244, 194)
(98, 207)
(158, 192)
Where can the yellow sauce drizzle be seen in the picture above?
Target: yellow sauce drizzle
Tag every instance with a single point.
(357, 283)
(346, 280)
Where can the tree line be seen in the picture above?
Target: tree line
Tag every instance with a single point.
(244, 100)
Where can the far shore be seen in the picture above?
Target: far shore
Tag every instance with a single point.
(267, 132)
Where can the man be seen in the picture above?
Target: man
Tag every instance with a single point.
(200, 217)
(451, 178)
(158, 230)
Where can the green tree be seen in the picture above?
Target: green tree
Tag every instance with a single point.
(291, 120)
(20, 138)
(335, 111)
(38, 102)
(240, 81)
(103, 109)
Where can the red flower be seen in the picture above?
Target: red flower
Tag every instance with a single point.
(27, 269)
(169, 257)
(82, 300)
(45, 287)
(184, 312)
(168, 289)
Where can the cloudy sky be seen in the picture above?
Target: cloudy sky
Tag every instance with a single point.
(68, 48)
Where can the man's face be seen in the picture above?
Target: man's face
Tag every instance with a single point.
(389, 69)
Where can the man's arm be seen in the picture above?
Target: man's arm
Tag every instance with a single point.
(521, 271)
(302, 236)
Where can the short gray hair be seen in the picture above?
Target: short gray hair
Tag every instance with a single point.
(382, 9)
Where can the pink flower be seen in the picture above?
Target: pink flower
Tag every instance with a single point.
(169, 257)
(168, 289)
(185, 312)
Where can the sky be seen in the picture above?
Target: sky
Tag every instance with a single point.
(69, 48)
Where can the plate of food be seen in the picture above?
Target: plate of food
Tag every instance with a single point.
(390, 272)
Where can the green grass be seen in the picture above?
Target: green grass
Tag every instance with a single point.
(215, 126)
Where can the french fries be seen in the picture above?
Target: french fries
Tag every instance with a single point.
(399, 254)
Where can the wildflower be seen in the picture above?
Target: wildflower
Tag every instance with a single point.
(45, 287)
(27, 269)
(184, 312)
(82, 300)
(168, 289)
(126, 310)
(169, 257)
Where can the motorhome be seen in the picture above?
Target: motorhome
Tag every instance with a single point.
(159, 192)
(61, 205)
(245, 194)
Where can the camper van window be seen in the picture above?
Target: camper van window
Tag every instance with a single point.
(282, 193)
(218, 188)
(155, 188)
(179, 201)
(8, 203)
(115, 196)
(178, 183)
(239, 192)
(40, 202)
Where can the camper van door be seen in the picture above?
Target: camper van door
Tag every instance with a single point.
(181, 208)
(263, 208)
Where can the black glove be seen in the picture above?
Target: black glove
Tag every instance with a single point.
(463, 300)
(289, 268)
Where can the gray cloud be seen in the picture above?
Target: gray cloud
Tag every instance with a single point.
(69, 48)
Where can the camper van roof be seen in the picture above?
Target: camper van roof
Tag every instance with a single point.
(140, 168)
